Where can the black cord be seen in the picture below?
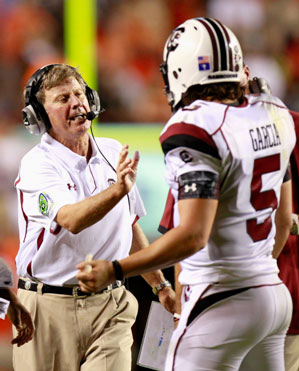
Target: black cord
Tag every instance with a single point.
(108, 162)
(105, 158)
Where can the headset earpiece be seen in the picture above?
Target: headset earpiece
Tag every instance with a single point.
(34, 115)
(93, 99)
(33, 124)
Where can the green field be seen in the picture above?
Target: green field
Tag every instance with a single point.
(150, 178)
(143, 137)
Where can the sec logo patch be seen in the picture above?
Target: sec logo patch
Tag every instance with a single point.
(45, 204)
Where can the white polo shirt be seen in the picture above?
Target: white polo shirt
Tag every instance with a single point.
(51, 176)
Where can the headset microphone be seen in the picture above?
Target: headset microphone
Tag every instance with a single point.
(91, 115)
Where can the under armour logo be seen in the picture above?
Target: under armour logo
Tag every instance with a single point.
(187, 188)
(72, 186)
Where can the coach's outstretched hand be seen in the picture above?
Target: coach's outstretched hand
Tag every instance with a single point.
(126, 170)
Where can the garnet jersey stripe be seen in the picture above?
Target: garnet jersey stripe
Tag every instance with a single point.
(190, 136)
(167, 219)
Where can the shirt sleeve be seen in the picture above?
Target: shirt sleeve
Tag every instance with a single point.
(42, 192)
(188, 148)
(137, 209)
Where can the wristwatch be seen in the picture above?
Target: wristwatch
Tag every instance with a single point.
(158, 288)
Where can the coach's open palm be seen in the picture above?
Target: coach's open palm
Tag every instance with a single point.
(126, 170)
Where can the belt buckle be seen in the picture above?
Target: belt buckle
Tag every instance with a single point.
(108, 288)
(76, 295)
(27, 285)
(119, 283)
(75, 291)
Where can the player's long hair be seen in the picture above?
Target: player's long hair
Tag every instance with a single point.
(211, 92)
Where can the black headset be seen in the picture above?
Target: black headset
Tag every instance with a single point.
(34, 115)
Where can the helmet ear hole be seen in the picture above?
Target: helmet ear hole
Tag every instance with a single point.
(175, 74)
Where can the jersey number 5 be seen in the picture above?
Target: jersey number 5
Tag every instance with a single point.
(262, 200)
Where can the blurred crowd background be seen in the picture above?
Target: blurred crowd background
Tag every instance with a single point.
(130, 40)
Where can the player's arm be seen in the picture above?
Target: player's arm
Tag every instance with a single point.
(191, 235)
(80, 215)
(166, 294)
(283, 218)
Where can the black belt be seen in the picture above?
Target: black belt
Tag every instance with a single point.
(62, 290)
(209, 300)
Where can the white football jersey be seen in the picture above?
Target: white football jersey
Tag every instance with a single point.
(248, 147)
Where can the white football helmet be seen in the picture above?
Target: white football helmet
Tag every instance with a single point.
(200, 51)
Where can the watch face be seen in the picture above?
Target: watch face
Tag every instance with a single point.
(155, 291)
(158, 288)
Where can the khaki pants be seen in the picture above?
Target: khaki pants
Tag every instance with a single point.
(291, 353)
(88, 334)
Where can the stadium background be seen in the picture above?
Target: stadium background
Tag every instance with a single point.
(117, 45)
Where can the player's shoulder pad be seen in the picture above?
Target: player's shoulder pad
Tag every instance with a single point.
(266, 98)
(204, 114)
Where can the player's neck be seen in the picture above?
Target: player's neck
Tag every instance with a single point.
(233, 102)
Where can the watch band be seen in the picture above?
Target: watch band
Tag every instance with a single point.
(158, 288)
(119, 276)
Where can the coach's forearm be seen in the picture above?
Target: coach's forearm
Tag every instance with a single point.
(80, 215)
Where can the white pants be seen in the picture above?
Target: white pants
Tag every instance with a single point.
(245, 331)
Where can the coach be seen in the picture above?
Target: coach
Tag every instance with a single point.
(77, 198)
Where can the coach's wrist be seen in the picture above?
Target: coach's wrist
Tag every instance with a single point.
(117, 192)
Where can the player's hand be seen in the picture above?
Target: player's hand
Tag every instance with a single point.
(21, 319)
(127, 169)
(97, 278)
(167, 298)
